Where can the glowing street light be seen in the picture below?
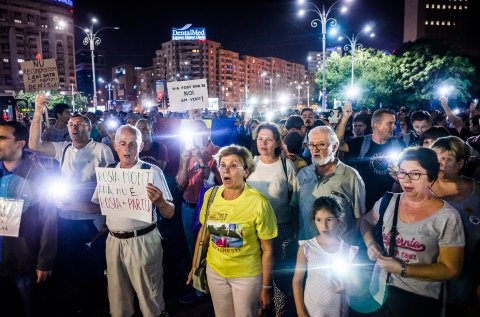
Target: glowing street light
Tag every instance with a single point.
(109, 87)
(323, 19)
(353, 44)
(92, 39)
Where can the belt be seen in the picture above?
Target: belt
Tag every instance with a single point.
(135, 233)
(190, 205)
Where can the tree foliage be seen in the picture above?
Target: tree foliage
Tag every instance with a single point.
(412, 77)
(55, 97)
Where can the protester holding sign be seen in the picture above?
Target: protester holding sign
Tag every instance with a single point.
(134, 250)
(80, 262)
(27, 246)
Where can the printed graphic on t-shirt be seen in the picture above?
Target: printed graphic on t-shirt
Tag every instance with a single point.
(406, 249)
(379, 163)
(225, 235)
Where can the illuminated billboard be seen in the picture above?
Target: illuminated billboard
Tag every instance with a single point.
(187, 33)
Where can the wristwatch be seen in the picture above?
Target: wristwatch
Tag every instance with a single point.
(403, 272)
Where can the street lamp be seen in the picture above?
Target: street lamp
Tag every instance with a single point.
(323, 19)
(92, 39)
(108, 86)
(353, 45)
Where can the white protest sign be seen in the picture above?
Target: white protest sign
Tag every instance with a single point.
(122, 192)
(10, 216)
(187, 95)
(40, 75)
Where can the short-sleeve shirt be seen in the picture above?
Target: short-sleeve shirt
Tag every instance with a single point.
(344, 183)
(118, 224)
(418, 243)
(241, 222)
(271, 181)
(78, 170)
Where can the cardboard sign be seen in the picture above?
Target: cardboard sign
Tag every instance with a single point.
(122, 192)
(10, 216)
(40, 75)
(187, 95)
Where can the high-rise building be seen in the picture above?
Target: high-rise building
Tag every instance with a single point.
(83, 61)
(31, 29)
(450, 21)
(230, 77)
(314, 58)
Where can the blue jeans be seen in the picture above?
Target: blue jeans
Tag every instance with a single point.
(187, 220)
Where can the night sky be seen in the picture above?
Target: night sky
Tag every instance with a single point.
(259, 28)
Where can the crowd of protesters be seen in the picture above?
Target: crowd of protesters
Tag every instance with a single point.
(376, 214)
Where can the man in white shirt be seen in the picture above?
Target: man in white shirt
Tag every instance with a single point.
(134, 250)
(80, 262)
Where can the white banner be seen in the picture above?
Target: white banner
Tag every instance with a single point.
(122, 192)
(10, 216)
(187, 95)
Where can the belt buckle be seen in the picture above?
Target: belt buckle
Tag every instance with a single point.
(135, 233)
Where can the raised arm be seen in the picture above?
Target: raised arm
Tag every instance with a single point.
(456, 121)
(35, 142)
(346, 113)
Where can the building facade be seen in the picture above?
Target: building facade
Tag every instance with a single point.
(450, 21)
(32, 29)
(231, 78)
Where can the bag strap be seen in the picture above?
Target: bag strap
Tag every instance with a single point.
(200, 248)
(393, 233)
(387, 197)
(284, 164)
(63, 155)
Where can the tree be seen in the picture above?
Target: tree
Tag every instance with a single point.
(374, 74)
(80, 100)
(423, 67)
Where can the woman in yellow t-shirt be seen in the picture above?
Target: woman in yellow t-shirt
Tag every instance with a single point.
(241, 228)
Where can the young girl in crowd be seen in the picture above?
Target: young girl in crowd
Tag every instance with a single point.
(326, 258)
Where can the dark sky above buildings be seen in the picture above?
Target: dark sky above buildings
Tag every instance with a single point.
(258, 28)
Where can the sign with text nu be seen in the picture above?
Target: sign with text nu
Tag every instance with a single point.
(187, 95)
(122, 192)
(10, 216)
(40, 75)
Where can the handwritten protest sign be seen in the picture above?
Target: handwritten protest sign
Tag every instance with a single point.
(10, 216)
(40, 75)
(187, 95)
(122, 192)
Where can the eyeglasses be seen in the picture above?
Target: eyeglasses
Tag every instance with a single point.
(268, 140)
(414, 176)
(233, 166)
(76, 125)
(318, 147)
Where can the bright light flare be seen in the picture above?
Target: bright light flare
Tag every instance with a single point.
(456, 111)
(249, 110)
(353, 92)
(283, 99)
(445, 90)
(58, 189)
(269, 116)
(344, 9)
(301, 12)
(253, 101)
(394, 156)
(340, 266)
(368, 28)
(372, 35)
(94, 20)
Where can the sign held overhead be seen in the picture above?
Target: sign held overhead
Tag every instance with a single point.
(187, 95)
(40, 75)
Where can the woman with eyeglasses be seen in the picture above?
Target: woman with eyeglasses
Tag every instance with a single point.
(275, 177)
(428, 241)
(463, 193)
(241, 228)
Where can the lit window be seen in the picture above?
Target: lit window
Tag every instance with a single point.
(443, 22)
(449, 6)
(437, 23)
(18, 21)
(454, 7)
(427, 6)
(5, 60)
(460, 7)
(438, 6)
(465, 7)
(426, 22)
(444, 7)
(20, 60)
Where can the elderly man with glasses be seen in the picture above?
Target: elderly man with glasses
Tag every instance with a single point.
(329, 176)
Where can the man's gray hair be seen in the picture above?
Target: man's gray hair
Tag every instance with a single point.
(131, 129)
(332, 136)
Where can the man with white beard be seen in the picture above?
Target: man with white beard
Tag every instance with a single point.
(329, 176)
